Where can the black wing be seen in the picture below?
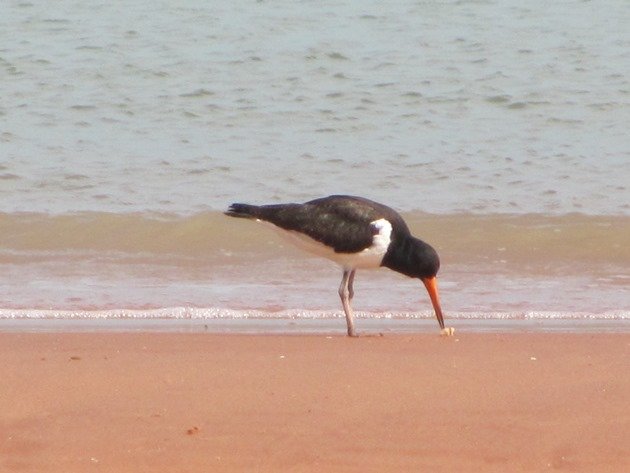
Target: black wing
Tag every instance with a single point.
(341, 222)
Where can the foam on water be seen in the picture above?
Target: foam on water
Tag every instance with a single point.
(214, 313)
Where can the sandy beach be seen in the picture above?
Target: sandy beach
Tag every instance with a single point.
(168, 402)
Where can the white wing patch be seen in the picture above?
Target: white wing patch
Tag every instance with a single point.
(370, 257)
(381, 239)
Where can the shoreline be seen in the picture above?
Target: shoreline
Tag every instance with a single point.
(308, 326)
(189, 402)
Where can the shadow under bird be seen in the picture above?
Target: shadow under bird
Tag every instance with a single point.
(356, 233)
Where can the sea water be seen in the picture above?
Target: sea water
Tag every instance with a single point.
(498, 129)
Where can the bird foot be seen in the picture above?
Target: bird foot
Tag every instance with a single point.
(447, 332)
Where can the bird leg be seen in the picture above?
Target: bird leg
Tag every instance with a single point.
(350, 282)
(346, 293)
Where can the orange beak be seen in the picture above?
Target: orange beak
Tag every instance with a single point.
(432, 289)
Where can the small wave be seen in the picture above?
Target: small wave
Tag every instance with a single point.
(9, 177)
(500, 99)
(337, 56)
(569, 243)
(197, 93)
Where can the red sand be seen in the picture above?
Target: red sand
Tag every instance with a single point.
(197, 403)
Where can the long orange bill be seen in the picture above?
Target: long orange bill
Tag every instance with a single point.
(432, 289)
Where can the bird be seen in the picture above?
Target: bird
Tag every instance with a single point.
(356, 233)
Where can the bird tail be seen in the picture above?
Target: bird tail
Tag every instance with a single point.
(243, 211)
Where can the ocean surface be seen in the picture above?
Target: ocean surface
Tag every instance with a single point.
(498, 129)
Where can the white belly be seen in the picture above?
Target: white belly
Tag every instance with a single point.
(371, 257)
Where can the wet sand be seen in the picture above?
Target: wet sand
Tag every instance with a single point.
(166, 402)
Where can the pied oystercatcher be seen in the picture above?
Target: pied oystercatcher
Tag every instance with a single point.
(355, 233)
